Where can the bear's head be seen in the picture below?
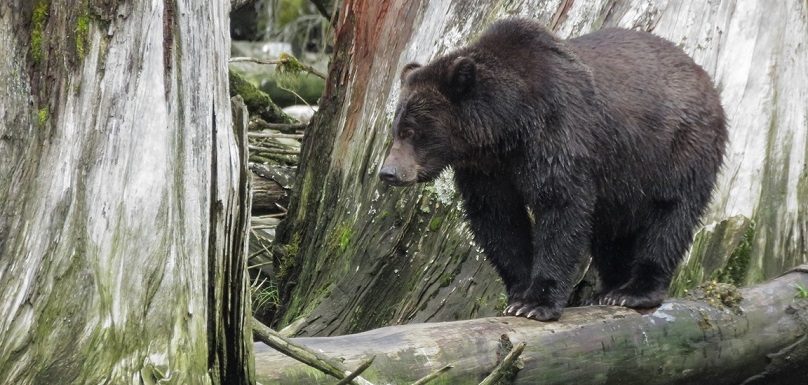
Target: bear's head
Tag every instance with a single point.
(427, 119)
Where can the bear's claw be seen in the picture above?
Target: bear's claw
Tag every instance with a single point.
(620, 298)
(536, 312)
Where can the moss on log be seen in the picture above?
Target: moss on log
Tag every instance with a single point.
(258, 102)
(763, 340)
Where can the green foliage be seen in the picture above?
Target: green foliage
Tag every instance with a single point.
(802, 291)
(289, 10)
(38, 19)
(264, 295)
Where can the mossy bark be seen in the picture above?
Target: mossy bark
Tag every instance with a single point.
(762, 339)
(409, 257)
(121, 207)
(258, 102)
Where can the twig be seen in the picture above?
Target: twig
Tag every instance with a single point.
(302, 353)
(274, 135)
(261, 124)
(281, 61)
(349, 378)
(504, 366)
(284, 209)
(295, 94)
(432, 376)
(273, 151)
(263, 227)
(275, 215)
(259, 265)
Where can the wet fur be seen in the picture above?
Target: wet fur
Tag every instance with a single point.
(612, 139)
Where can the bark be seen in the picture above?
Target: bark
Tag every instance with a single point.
(355, 254)
(761, 340)
(123, 196)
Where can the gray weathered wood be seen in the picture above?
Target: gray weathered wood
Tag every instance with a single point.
(121, 213)
(763, 341)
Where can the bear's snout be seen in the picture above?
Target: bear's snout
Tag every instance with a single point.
(400, 168)
(388, 174)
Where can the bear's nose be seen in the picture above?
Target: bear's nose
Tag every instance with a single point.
(388, 174)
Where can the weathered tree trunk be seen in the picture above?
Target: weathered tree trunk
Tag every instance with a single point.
(761, 340)
(356, 254)
(123, 196)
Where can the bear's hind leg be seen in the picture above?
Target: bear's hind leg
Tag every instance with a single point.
(660, 246)
(612, 258)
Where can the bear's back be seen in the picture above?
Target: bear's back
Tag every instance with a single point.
(642, 75)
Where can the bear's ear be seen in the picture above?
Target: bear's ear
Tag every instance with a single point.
(462, 75)
(407, 69)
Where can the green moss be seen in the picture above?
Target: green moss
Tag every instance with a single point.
(434, 223)
(287, 89)
(288, 257)
(256, 100)
(719, 295)
(42, 116)
(446, 279)
(342, 238)
(738, 264)
(38, 19)
(82, 31)
(721, 252)
(289, 64)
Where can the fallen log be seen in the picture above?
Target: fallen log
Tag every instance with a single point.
(761, 339)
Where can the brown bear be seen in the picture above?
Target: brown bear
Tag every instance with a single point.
(605, 145)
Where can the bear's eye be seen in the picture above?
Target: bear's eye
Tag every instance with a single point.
(407, 133)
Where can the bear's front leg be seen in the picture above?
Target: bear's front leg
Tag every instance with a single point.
(500, 224)
(561, 237)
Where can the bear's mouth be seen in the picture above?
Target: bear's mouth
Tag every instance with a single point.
(400, 183)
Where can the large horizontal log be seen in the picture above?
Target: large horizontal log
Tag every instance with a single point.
(762, 340)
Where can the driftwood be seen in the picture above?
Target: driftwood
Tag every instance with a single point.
(270, 188)
(763, 339)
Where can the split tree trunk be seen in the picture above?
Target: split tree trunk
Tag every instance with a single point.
(356, 255)
(123, 204)
(763, 340)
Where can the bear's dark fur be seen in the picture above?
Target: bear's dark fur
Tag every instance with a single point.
(607, 144)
